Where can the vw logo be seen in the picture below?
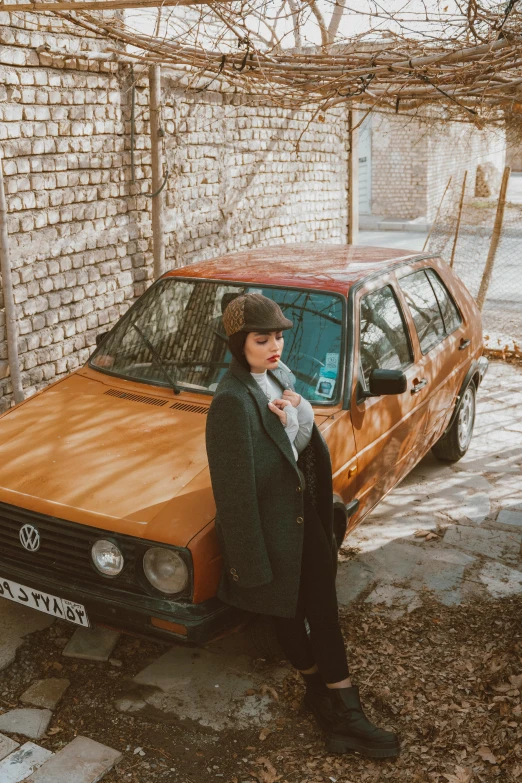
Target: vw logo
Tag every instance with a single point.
(30, 538)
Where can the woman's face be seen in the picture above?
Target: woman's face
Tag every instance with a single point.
(263, 351)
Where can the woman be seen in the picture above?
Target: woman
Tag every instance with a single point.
(272, 481)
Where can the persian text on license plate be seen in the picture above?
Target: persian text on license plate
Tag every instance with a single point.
(50, 604)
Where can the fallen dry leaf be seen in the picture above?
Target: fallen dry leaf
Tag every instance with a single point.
(267, 773)
(485, 753)
(268, 689)
(263, 734)
(462, 775)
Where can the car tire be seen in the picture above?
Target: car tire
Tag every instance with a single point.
(455, 442)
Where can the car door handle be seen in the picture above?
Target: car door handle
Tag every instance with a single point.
(464, 343)
(417, 387)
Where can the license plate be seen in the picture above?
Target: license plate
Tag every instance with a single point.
(43, 602)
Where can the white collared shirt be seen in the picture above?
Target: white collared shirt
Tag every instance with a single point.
(299, 420)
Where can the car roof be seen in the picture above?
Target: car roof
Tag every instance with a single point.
(327, 267)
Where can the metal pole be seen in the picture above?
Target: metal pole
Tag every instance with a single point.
(353, 178)
(158, 201)
(495, 239)
(452, 259)
(425, 245)
(11, 322)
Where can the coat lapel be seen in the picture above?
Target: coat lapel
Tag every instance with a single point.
(271, 423)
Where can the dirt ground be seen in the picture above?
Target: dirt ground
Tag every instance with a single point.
(448, 679)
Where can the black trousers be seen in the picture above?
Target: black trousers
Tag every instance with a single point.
(317, 603)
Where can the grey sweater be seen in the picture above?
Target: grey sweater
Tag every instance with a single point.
(299, 420)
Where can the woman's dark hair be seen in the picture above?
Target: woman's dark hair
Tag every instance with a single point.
(236, 344)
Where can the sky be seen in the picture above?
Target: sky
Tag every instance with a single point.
(360, 17)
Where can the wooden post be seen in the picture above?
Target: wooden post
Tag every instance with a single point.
(158, 200)
(452, 259)
(425, 245)
(11, 323)
(495, 239)
(353, 178)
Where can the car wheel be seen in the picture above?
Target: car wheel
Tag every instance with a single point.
(455, 442)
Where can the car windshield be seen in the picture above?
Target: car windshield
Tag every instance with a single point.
(174, 334)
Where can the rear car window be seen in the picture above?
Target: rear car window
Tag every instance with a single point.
(384, 338)
(425, 310)
(449, 310)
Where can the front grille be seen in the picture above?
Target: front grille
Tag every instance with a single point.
(65, 549)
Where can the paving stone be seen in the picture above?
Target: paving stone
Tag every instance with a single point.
(399, 599)
(492, 543)
(45, 693)
(353, 578)
(23, 762)
(509, 517)
(500, 580)
(27, 721)
(16, 622)
(7, 746)
(81, 761)
(476, 507)
(91, 644)
(204, 686)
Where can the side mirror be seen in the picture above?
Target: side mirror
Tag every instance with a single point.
(387, 382)
(100, 337)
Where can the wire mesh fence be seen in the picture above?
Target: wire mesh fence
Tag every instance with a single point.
(481, 238)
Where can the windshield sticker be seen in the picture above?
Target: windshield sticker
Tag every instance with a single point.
(331, 365)
(325, 387)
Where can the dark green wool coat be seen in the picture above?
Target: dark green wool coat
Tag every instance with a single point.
(258, 494)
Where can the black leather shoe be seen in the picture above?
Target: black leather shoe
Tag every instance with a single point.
(318, 700)
(352, 731)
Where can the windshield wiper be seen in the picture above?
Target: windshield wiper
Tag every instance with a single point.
(156, 356)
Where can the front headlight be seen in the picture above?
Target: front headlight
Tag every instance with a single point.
(107, 557)
(165, 570)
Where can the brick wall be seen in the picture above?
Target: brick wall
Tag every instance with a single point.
(412, 161)
(79, 230)
(399, 167)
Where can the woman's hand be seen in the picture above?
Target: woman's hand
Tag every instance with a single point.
(293, 397)
(278, 407)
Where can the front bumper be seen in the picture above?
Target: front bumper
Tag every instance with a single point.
(133, 613)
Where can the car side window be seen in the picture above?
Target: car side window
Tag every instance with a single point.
(424, 309)
(450, 313)
(384, 338)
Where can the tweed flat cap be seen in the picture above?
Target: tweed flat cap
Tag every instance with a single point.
(252, 312)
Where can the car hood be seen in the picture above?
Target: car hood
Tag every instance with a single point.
(88, 451)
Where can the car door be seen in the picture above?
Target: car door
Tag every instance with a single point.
(386, 428)
(441, 334)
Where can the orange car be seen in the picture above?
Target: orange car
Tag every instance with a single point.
(106, 507)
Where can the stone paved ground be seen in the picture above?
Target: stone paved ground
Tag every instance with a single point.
(474, 506)
(468, 521)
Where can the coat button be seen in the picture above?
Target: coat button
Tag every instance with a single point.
(233, 572)
(298, 488)
(235, 578)
(299, 520)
